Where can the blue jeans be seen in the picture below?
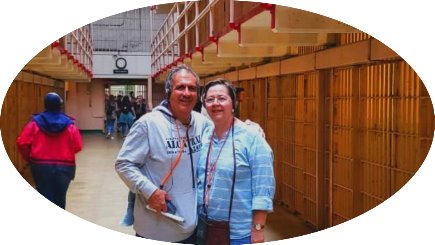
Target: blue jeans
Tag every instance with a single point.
(124, 129)
(110, 126)
(128, 218)
(52, 181)
(246, 240)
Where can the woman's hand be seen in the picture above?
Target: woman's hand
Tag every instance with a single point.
(257, 236)
(258, 220)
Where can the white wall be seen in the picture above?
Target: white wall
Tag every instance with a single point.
(138, 65)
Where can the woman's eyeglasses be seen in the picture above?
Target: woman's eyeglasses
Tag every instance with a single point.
(220, 100)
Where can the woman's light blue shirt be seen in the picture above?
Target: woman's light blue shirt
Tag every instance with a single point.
(255, 182)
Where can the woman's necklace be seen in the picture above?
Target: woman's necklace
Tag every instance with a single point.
(211, 169)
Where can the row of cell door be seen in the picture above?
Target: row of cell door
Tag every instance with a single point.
(344, 140)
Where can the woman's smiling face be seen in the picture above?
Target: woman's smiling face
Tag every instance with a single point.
(218, 103)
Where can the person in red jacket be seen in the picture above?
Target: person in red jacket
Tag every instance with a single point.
(49, 143)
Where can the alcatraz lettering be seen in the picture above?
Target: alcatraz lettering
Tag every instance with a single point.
(173, 145)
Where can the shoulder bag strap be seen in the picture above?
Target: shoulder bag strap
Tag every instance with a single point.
(234, 173)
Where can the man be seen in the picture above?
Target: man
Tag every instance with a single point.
(140, 107)
(49, 143)
(149, 156)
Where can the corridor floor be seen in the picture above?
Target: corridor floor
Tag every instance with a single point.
(98, 195)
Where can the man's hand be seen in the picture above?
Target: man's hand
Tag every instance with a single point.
(255, 126)
(157, 200)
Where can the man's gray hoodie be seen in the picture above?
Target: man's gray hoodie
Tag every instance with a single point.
(145, 158)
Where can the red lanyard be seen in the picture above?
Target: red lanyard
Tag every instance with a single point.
(212, 169)
(174, 164)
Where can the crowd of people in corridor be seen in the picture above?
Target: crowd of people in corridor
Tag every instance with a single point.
(121, 112)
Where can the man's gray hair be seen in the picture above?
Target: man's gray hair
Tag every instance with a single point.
(171, 75)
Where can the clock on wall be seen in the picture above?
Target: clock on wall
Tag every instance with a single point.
(121, 64)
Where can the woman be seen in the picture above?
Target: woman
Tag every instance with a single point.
(231, 142)
(110, 116)
(127, 115)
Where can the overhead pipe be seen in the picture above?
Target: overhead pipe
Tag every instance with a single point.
(186, 38)
(232, 24)
(211, 35)
(196, 26)
(152, 39)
